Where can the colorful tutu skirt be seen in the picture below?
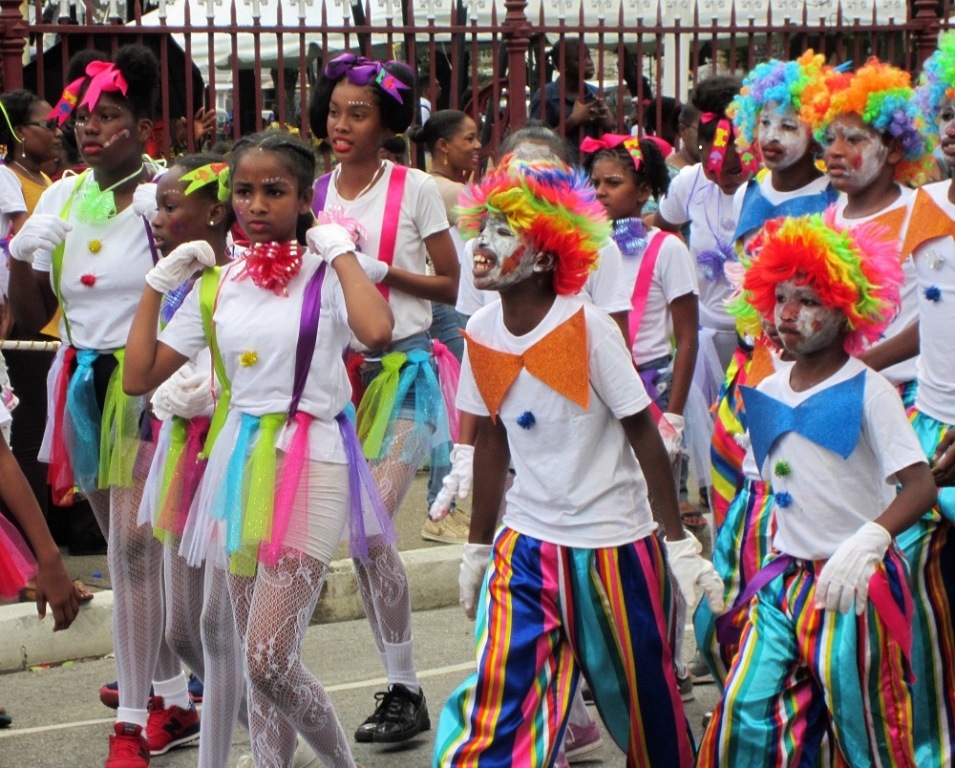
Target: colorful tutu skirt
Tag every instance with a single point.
(17, 564)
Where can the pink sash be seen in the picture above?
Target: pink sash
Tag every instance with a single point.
(641, 290)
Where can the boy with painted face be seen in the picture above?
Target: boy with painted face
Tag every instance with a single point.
(826, 643)
(873, 137)
(553, 386)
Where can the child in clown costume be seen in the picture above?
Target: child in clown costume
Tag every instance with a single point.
(766, 113)
(577, 577)
(827, 640)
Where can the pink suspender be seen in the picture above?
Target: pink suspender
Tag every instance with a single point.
(641, 290)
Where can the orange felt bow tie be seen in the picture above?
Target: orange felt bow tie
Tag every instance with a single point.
(932, 221)
(560, 360)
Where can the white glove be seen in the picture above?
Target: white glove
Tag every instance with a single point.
(185, 260)
(473, 567)
(374, 269)
(40, 232)
(329, 241)
(456, 483)
(671, 428)
(190, 393)
(692, 570)
(144, 201)
(846, 576)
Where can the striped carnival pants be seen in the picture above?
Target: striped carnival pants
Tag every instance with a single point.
(743, 542)
(802, 671)
(929, 548)
(548, 613)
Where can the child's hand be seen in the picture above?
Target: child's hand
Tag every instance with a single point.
(692, 570)
(54, 586)
(456, 483)
(845, 577)
(943, 463)
(473, 566)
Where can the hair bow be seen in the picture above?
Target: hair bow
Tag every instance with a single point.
(211, 173)
(363, 71)
(102, 76)
(630, 143)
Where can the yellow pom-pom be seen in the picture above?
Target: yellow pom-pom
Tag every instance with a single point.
(95, 246)
(248, 359)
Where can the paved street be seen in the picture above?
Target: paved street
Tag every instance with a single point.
(60, 723)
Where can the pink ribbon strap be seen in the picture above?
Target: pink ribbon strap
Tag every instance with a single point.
(449, 372)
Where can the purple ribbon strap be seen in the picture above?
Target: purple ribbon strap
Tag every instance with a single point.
(362, 71)
(726, 632)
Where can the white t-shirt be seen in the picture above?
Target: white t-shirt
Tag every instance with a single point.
(674, 275)
(421, 215)
(577, 480)
(257, 333)
(693, 198)
(11, 202)
(935, 266)
(833, 497)
(99, 314)
(900, 373)
(606, 286)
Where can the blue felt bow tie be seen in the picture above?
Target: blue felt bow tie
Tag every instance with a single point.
(757, 210)
(831, 418)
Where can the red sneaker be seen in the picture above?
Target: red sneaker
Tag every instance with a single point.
(170, 727)
(127, 748)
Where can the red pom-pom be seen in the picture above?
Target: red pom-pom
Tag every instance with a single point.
(89, 279)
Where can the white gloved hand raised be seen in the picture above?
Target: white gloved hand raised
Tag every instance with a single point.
(144, 201)
(671, 428)
(185, 260)
(844, 579)
(329, 241)
(473, 567)
(456, 483)
(692, 570)
(40, 232)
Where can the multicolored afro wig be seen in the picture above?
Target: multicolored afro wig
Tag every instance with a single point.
(882, 95)
(855, 270)
(937, 81)
(553, 207)
(774, 81)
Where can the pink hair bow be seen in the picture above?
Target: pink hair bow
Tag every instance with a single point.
(103, 77)
(630, 143)
(721, 144)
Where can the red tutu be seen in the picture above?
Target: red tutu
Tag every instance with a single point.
(17, 564)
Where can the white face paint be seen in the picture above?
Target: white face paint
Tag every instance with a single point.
(501, 258)
(946, 131)
(855, 154)
(804, 323)
(783, 138)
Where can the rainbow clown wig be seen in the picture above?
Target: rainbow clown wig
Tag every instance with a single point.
(882, 95)
(855, 270)
(551, 206)
(937, 81)
(774, 81)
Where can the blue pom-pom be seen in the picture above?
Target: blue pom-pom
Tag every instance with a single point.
(526, 420)
(933, 293)
(783, 499)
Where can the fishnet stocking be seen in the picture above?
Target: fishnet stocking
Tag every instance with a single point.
(276, 607)
(224, 695)
(135, 565)
(382, 580)
(182, 592)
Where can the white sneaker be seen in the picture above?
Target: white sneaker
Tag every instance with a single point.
(305, 757)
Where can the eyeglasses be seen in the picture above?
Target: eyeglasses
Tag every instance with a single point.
(51, 124)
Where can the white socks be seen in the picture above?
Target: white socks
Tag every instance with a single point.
(174, 692)
(399, 663)
(134, 716)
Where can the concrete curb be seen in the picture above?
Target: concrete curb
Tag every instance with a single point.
(26, 642)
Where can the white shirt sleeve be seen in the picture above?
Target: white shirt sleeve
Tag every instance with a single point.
(888, 429)
(185, 333)
(606, 287)
(469, 398)
(429, 213)
(612, 374)
(675, 205)
(676, 270)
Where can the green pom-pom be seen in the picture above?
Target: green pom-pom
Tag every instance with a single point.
(782, 469)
